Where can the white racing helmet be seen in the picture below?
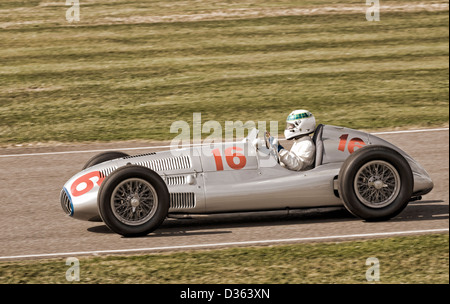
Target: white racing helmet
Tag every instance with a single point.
(299, 122)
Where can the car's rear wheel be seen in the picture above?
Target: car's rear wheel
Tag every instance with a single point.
(133, 201)
(102, 157)
(375, 183)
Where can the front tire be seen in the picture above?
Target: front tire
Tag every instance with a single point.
(375, 183)
(133, 201)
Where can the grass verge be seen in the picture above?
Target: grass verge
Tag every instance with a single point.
(412, 259)
(118, 75)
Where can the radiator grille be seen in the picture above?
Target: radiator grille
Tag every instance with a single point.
(182, 200)
(139, 155)
(175, 180)
(65, 203)
(170, 163)
(105, 172)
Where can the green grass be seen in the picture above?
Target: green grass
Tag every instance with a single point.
(411, 260)
(113, 76)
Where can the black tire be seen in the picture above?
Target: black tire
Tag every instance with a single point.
(116, 195)
(102, 157)
(375, 183)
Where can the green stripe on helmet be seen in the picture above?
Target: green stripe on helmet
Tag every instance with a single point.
(294, 117)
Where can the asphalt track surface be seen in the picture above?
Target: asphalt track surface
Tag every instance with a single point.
(33, 224)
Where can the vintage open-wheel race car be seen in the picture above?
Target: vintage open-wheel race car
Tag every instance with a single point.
(133, 194)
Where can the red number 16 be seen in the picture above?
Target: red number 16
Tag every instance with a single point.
(229, 157)
(353, 143)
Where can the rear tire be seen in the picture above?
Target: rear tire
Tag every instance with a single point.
(133, 201)
(375, 183)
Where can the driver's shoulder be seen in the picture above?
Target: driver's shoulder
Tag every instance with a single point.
(304, 140)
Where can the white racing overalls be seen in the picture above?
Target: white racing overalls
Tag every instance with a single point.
(301, 156)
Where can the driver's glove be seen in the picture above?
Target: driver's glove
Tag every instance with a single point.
(274, 141)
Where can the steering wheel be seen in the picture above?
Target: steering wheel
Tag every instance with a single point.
(272, 145)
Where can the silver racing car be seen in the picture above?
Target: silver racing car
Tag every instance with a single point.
(133, 195)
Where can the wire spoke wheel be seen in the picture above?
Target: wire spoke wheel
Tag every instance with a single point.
(134, 201)
(377, 184)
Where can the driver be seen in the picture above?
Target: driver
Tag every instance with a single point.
(299, 124)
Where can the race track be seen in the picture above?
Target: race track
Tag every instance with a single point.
(33, 224)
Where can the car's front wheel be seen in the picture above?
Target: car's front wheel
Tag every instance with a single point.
(133, 201)
(375, 183)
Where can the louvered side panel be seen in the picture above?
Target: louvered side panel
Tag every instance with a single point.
(185, 200)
